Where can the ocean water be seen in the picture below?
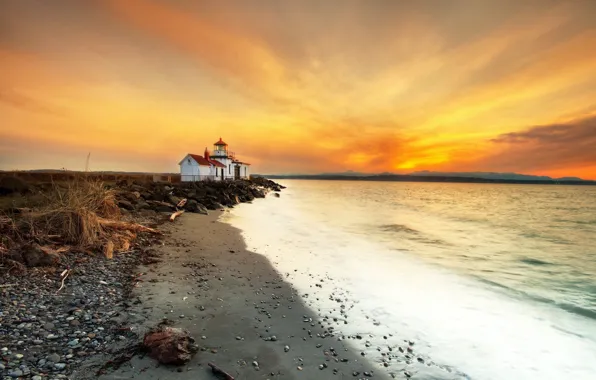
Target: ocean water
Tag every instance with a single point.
(490, 281)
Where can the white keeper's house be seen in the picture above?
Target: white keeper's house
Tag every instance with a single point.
(218, 165)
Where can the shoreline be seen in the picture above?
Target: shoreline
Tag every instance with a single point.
(245, 317)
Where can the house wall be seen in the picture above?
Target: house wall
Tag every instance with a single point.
(228, 171)
(191, 171)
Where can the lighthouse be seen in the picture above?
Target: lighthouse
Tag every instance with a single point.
(220, 151)
(218, 165)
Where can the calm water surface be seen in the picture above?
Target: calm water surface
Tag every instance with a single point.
(493, 281)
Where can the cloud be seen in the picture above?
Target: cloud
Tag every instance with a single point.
(555, 146)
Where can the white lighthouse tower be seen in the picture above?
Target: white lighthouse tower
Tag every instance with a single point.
(220, 164)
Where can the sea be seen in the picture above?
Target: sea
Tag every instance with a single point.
(488, 281)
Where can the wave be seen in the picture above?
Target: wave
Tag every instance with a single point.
(533, 261)
(398, 228)
(570, 308)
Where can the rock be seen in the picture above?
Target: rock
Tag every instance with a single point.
(36, 256)
(60, 366)
(15, 373)
(174, 200)
(122, 203)
(286, 348)
(170, 345)
(48, 326)
(54, 358)
(142, 205)
(36, 377)
(194, 206)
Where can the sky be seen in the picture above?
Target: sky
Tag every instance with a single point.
(304, 86)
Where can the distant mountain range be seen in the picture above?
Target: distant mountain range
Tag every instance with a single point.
(429, 176)
(491, 175)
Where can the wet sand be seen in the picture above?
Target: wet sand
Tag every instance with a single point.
(245, 317)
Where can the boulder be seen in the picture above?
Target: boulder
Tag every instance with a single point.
(123, 203)
(36, 256)
(194, 206)
(173, 199)
(142, 205)
(169, 345)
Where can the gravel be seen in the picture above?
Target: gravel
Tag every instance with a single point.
(48, 334)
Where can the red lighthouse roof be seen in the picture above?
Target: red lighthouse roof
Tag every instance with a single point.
(220, 142)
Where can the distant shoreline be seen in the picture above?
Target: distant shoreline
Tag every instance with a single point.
(445, 179)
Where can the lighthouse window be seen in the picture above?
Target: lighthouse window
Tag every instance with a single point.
(229, 169)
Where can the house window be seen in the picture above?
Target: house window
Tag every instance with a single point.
(189, 160)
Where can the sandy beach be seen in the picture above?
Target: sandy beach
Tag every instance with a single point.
(246, 319)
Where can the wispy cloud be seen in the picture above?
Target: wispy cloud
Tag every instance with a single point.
(543, 147)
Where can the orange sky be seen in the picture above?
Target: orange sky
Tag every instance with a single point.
(302, 86)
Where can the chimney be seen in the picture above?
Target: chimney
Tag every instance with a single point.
(206, 153)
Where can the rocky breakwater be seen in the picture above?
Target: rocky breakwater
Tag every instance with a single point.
(200, 196)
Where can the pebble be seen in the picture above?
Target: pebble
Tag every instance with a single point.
(19, 356)
(54, 358)
(36, 377)
(286, 348)
(60, 366)
(15, 373)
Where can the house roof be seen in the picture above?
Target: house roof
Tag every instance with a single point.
(217, 163)
(199, 159)
(220, 142)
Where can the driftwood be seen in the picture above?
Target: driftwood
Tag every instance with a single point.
(176, 214)
(218, 371)
(181, 203)
(108, 250)
(118, 225)
(64, 274)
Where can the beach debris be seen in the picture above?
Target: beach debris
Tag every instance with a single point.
(181, 203)
(170, 345)
(176, 214)
(218, 371)
(63, 275)
(108, 250)
(286, 348)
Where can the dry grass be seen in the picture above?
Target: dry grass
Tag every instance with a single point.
(73, 213)
(82, 213)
